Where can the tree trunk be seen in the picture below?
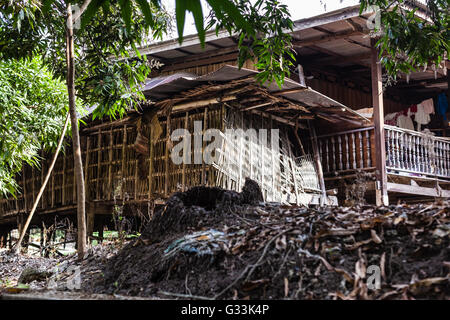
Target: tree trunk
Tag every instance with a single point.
(78, 164)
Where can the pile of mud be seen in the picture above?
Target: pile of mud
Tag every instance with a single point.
(210, 243)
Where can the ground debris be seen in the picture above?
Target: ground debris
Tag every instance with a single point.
(208, 243)
(203, 248)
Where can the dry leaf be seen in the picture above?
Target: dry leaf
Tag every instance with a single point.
(375, 237)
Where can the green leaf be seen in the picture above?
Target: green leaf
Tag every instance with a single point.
(146, 10)
(180, 11)
(125, 6)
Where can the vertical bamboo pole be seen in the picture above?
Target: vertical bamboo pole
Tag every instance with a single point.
(318, 163)
(86, 167)
(63, 191)
(205, 123)
(183, 173)
(99, 163)
(43, 203)
(33, 178)
(124, 149)
(166, 158)
(24, 190)
(110, 165)
(41, 191)
(150, 166)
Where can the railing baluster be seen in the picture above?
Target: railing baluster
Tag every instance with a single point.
(333, 144)
(353, 151)
(347, 152)
(389, 154)
(410, 159)
(340, 152)
(327, 141)
(446, 159)
(393, 149)
(397, 149)
(416, 154)
(361, 150)
(369, 162)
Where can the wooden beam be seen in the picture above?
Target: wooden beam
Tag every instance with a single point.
(409, 189)
(381, 191)
(260, 105)
(326, 38)
(183, 107)
(288, 91)
(279, 119)
(200, 62)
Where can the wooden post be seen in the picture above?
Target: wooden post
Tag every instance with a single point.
(318, 163)
(101, 227)
(166, 157)
(301, 75)
(378, 116)
(90, 212)
(3, 238)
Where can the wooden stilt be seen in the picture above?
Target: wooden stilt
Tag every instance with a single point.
(100, 230)
(378, 118)
(90, 212)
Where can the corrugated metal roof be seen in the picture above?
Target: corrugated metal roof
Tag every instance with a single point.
(166, 87)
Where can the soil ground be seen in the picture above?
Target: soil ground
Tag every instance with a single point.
(208, 243)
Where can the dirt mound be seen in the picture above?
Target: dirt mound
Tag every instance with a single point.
(211, 243)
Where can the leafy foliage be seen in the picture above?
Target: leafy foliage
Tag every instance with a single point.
(267, 41)
(33, 106)
(407, 41)
(107, 74)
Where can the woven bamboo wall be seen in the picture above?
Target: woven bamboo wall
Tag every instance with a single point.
(282, 176)
(131, 162)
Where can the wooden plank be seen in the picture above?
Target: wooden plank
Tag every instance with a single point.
(378, 118)
(326, 38)
(408, 189)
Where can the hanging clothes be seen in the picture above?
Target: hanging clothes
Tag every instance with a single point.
(442, 105)
(405, 122)
(428, 106)
(412, 109)
(391, 118)
(424, 109)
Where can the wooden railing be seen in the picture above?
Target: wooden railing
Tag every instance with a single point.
(347, 151)
(416, 152)
(406, 151)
